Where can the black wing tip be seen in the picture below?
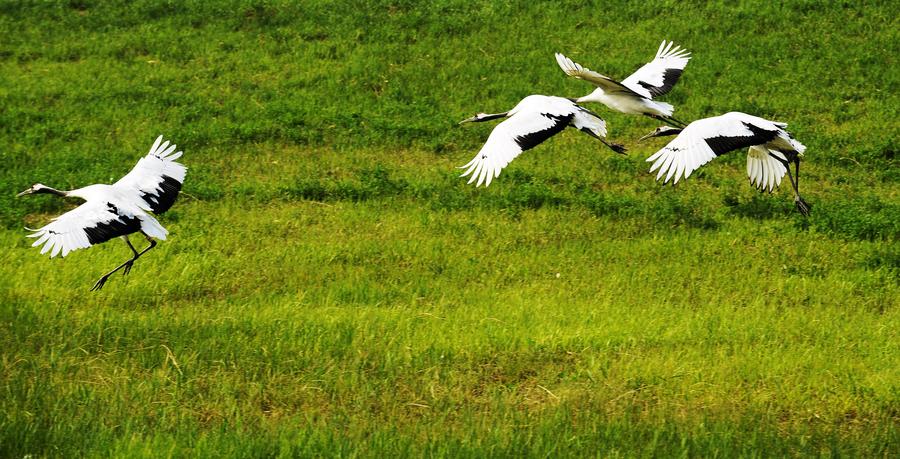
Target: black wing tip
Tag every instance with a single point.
(533, 139)
(670, 78)
(163, 201)
(121, 226)
(723, 144)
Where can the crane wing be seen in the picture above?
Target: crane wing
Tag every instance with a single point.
(658, 76)
(90, 223)
(520, 132)
(764, 169)
(705, 139)
(156, 177)
(608, 85)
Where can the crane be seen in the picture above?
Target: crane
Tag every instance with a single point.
(115, 210)
(533, 120)
(634, 95)
(772, 149)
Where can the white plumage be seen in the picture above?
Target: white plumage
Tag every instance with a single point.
(658, 76)
(154, 176)
(771, 150)
(533, 120)
(634, 95)
(106, 213)
(765, 168)
(116, 210)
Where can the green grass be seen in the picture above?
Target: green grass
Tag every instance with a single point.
(332, 288)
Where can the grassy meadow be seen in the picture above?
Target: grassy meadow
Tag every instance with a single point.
(330, 287)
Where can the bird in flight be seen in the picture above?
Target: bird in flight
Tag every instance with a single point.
(634, 95)
(533, 120)
(772, 149)
(116, 210)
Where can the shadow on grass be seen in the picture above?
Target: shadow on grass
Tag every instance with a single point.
(869, 218)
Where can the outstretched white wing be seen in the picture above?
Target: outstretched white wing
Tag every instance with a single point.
(520, 132)
(764, 169)
(703, 140)
(658, 76)
(157, 177)
(90, 223)
(608, 85)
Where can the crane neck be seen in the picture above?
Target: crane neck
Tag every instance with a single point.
(490, 116)
(47, 190)
(97, 191)
(597, 95)
(670, 131)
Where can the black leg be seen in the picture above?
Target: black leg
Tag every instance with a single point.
(800, 202)
(802, 205)
(682, 123)
(668, 120)
(620, 149)
(612, 146)
(658, 118)
(127, 265)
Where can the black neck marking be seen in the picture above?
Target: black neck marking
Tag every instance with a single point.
(48, 190)
(490, 116)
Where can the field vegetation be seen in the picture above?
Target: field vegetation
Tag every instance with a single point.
(330, 287)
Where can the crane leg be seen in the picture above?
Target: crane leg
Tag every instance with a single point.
(669, 120)
(612, 146)
(127, 265)
(618, 148)
(801, 204)
(682, 123)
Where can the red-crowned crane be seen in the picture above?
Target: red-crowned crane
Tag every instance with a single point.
(634, 95)
(772, 150)
(115, 210)
(533, 120)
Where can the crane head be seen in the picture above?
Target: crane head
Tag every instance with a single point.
(36, 188)
(662, 131)
(479, 117)
(476, 118)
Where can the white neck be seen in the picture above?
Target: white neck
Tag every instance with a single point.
(90, 192)
(598, 95)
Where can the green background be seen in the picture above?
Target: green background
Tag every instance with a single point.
(331, 287)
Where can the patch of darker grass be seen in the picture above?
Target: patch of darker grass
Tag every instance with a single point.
(760, 206)
(885, 257)
(663, 209)
(369, 183)
(868, 218)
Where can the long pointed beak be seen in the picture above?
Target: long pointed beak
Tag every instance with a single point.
(652, 134)
(467, 120)
(28, 191)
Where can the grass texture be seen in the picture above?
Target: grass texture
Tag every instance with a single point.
(330, 287)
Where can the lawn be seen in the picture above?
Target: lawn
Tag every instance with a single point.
(331, 287)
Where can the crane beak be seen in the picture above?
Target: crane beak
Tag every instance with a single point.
(28, 191)
(652, 134)
(468, 120)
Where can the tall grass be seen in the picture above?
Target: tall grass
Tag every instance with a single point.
(331, 287)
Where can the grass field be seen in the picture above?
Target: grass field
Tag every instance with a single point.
(330, 287)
